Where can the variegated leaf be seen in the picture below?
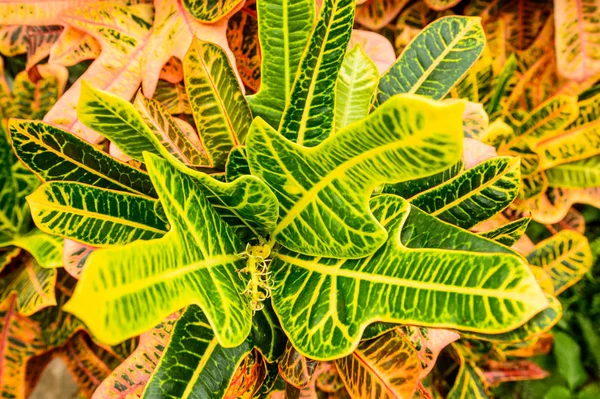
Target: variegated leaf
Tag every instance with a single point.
(414, 18)
(173, 97)
(386, 367)
(408, 268)
(74, 257)
(211, 11)
(375, 14)
(182, 268)
(133, 374)
(509, 233)
(566, 256)
(36, 12)
(46, 249)
(577, 38)
(475, 195)
(220, 109)
(56, 155)
(435, 60)
(283, 30)
(410, 188)
(309, 115)
(470, 382)
(94, 216)
(74, 46)
(194, 364)
(243, 39)
(355, 88)
(32, 99)
(579, 174)
(401, 140)
(294, 368)
(237, 164)
(441, 5)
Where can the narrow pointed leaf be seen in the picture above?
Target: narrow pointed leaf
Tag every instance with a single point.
(56, 155)
(435, 60)
(168, 133)
(33, 286)
(94, 216)
(475, 195)
(387, 367)
(399, 141)
(117, 120)
(309, 115)
(182, 268)
(220, 110)
(410, 188)
(194, 364)
(509, 233)
(566, 256)
(283, 30)
(355, 88)
(469, 383)
(315, 298)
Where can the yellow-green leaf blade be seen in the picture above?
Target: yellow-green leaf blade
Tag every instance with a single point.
(94, 216)
(317, 299)
(435, 60)
(317, 187)
(579, 174)
(184, 267)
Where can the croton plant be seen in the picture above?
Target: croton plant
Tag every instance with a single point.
(223, 199)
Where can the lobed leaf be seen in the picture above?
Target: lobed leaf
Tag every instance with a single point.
(317, 187)
(315, 298)
(184, 267)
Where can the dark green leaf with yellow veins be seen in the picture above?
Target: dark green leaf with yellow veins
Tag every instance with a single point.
(117, 120)
(435, 60)
(325, 304)
(538, 324)
(209, 11)
(11, 205)
(56, 155)
(323, 191)
(410, 188)
(284, 28)
(127, 290)
(195, 365)
(94, 216)
(567, 256)
(469, 383)
(475, 195)
(246, 204)
(308, 117)
(237, 164)
(220, 110)
(509, 233)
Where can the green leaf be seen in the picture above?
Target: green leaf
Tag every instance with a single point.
(591, 337)
(435, 60)
(11, 205)
(319, 188)
(475, 195)
(316, 298)
(308, 117)
(168, 133)
(246, 204)
(283, 30)
(33, 286)
(117, 120)
(537, 325)
(578, 174)
(94, 216)
(267, 335)
(469, 383)
(548, 119)
(210, 11)
(410, 188)
(509, 233)
(56, 155)
(237, 164)
(46, 249)
(501, 85)
(567, 353)
(195, 365)
(220, 110)
(127, 290)
(566, 256)
(355, 87)
(7, 255)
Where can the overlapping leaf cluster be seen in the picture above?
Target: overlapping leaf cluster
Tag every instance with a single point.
(328, 235)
